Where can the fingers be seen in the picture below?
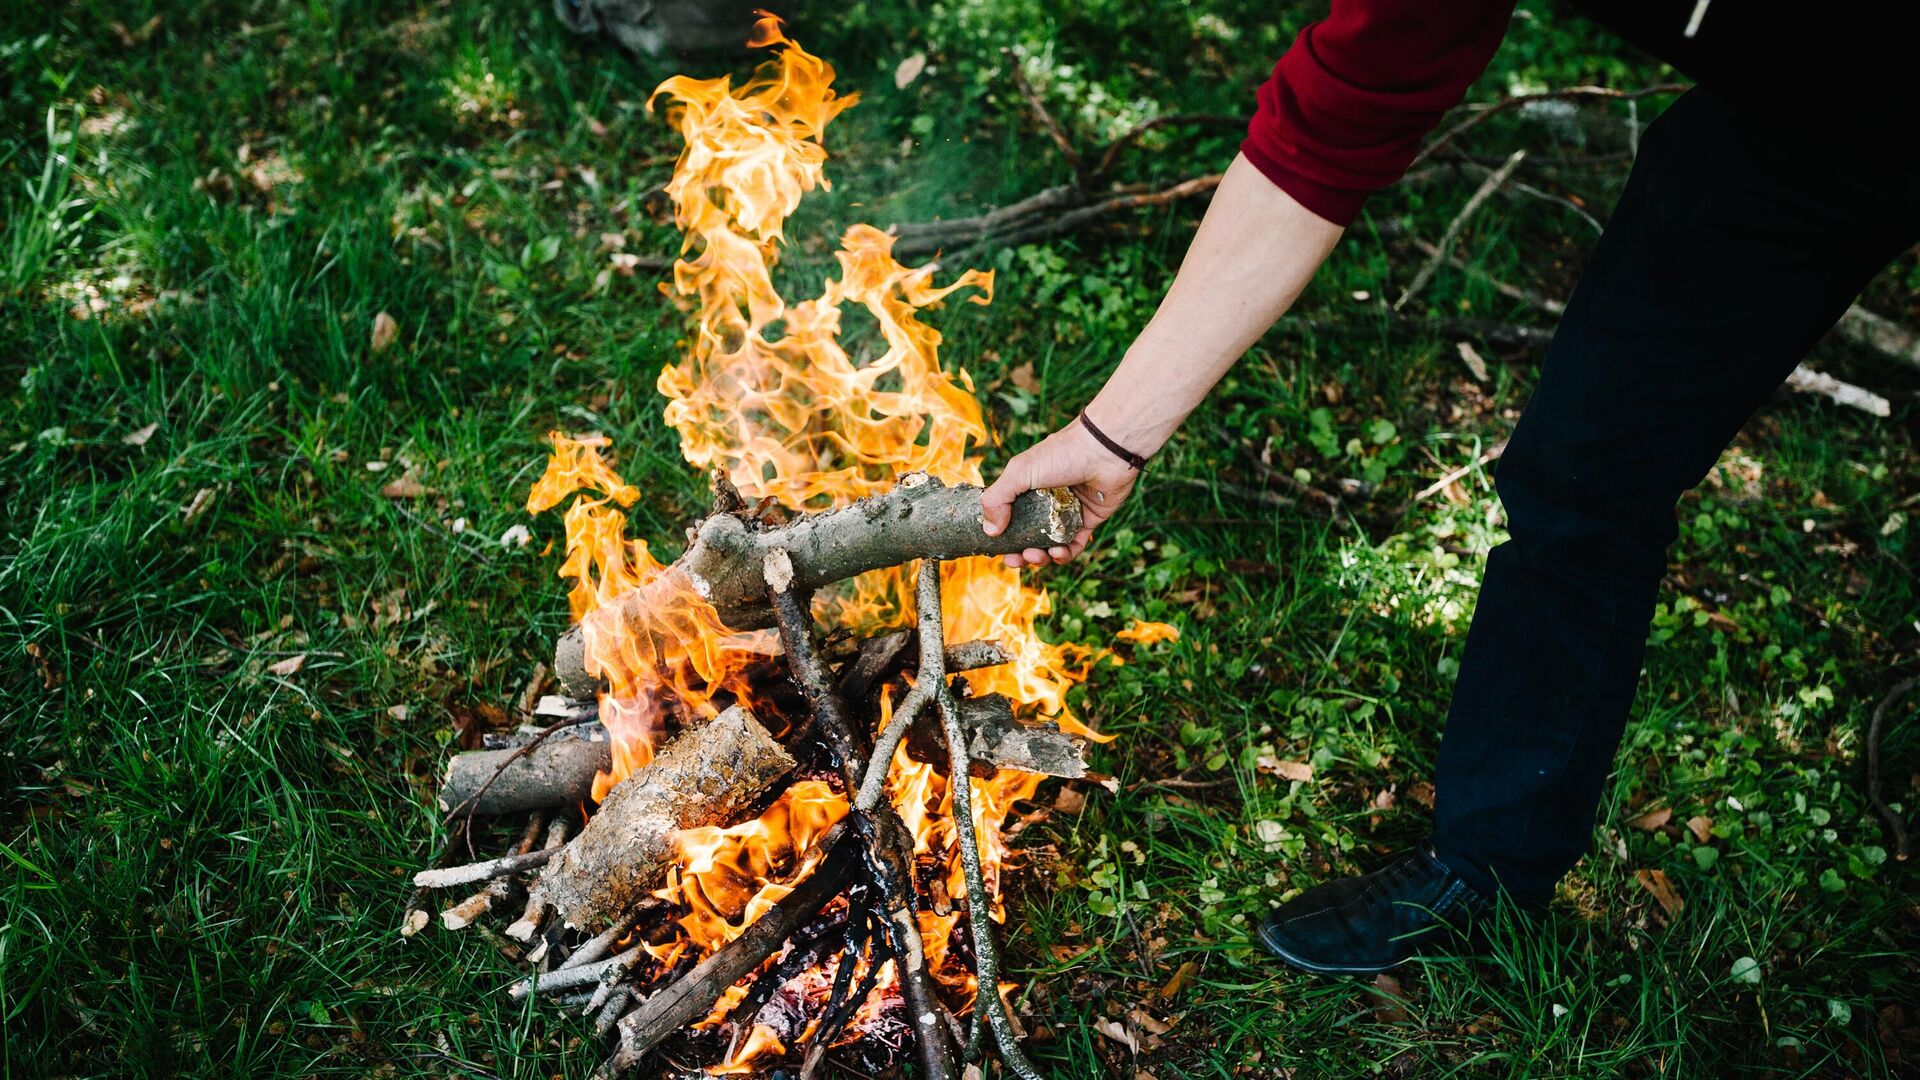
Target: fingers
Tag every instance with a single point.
(996, 503)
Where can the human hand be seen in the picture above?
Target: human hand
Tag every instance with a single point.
(1069, 458)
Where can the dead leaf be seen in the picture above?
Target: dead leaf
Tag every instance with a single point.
(403, 487)
(1389, 1001)
(1383, 799)
(1652, 819)
(1471, 357)
(201, 501)
(909, 70)
(1655, 882)
(291, 665)
(1285, 770)
(1070, 800)
(1147, 1022)
(385, 330)
(1701, 826)
(1114, 1031)
(1421, 791)
(1023, 378)
(1183, 975)
(140, 437)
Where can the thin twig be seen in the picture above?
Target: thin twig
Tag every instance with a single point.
(1038, 106)
(449, 876)
(1486, 189)
(1894, 824)
(1440, 485)
(417, 915)
(987, 1002)
(926, 681)
(1571, 93)
(1133, 134)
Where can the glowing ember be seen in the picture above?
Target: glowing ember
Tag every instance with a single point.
(768, 393)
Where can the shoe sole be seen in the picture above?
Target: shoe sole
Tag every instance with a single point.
(1295, 960)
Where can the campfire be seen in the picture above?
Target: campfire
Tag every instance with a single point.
(749, 845)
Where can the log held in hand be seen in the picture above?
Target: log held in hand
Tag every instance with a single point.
(919, 518)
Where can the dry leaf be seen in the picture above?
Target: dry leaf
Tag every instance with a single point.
(1655, 882)
(1471, 357)
(289, 666)
(198, 505)
(1117, 1033)
(1651, 820)
(909, 70)
(1023, 377)
(1701, 827)
(385, 330)
(1181, 977)
(1389, 1001)
(1421, 791)
(1070, 800)
(1147, 1022)
(403, 487)
(1285, 770)
(140, 437)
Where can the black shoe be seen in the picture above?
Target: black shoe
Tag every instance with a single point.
(1367, 924)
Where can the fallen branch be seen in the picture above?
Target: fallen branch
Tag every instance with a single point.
(487, 870)
(498, 888)
(1894, 825)
(1880, 334)
(536, 776)
(1572, 93)
(1803, 380)
(1041, 113)
(1480, 195)
(997, 740)
(706, 776)
(919, 518)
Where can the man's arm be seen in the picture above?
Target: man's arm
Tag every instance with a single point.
(1342, 116)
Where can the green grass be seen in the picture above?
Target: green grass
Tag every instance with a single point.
(206, 860)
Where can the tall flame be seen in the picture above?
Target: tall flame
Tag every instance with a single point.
(768, 392)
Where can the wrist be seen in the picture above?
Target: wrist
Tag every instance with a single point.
(1138, 430)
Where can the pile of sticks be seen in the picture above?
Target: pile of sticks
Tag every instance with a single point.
(587, 897)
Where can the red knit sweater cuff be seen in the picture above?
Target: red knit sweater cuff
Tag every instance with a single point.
(1337, 205)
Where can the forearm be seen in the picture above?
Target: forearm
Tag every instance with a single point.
(1255, 251)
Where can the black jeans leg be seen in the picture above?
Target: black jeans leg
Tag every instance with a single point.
(1732, 250)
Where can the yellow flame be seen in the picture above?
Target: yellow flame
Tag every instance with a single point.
(769, 393)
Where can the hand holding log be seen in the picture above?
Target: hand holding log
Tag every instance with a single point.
(920, 518)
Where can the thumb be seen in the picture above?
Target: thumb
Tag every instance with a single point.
(996, 503)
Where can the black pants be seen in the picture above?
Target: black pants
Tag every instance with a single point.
(1733, 249)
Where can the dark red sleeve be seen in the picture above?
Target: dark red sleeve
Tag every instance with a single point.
(1347, 106)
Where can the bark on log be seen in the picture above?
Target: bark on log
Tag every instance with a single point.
(687, 999)
(707, 776)
(558, 772)
(995, 739)
(919, 518)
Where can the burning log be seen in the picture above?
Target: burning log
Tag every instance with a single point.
(996, 740)
(708, 776)
(559, 772)
(687, 999)
(919, 518)
(889, 845)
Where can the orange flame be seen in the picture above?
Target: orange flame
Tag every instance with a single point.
(769, 393)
